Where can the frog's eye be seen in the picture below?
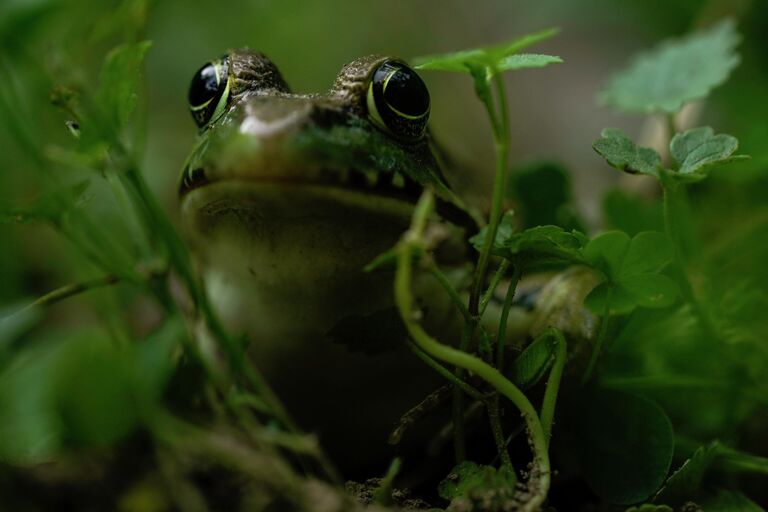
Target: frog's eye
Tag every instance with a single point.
(209, 91)
(398, 101)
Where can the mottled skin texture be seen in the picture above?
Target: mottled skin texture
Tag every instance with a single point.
(285, 199)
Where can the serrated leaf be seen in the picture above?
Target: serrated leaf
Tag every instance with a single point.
(539, 247)
(675, 72)
(626, 444)
(623, 154)
(699, 148)
(685, 483)
(117, 93)
(485, 57)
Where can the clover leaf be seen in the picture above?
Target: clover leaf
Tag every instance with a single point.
(631, 269)
(675, 72)
(623, 154)
(699, 148)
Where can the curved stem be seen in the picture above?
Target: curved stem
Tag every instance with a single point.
(600, 337)
(503, 267)
(553, 383)
(70, 290)
(540, 477)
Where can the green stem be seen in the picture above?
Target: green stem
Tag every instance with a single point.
(446, 284)
(600, 337)
(540, 478)
(553, 383)
(501, 147)
(500, 272)
(494, 417)
(72, 289)
(502, 334)
(445, 372)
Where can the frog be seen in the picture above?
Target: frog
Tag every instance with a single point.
(284, 199)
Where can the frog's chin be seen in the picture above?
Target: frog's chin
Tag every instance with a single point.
(280, 234)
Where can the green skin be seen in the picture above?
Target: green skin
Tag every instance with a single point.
(285, 198)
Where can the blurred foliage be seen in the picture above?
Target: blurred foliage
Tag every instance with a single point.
(97, 371)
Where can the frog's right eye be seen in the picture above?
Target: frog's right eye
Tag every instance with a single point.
(209, 91)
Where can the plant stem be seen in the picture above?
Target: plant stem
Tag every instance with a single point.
(494, 417)
(70, 290)
(540, 478)
(553, 383)
(445, 372)
(501, 147)
(501, 335)
(500, 272)
(600, 337)
(457, 300)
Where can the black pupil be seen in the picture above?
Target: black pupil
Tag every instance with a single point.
(406, 92)
(204, 86)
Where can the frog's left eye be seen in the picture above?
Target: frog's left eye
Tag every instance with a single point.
(209, 91)
(398, 101)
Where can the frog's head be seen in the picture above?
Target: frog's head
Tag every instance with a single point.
(328, 172)
(368, 133)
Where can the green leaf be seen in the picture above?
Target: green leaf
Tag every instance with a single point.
(532, 364)
(675, 72)
(489, 56)
(699, 148)
(648, 507)
(685, 483)
(536, 248)
(730, 501)
(650, 290)
(606, 252)
(623, 154)
(630, 267)
(527, 60)
(648, 252)
(626, 444)
(119, 81)
(469, 479)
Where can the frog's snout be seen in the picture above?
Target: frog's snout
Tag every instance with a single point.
(274, 117)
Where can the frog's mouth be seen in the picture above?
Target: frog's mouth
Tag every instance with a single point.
(393, 185)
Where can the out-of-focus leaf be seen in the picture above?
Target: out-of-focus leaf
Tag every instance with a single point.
(623, 154)
(685, 483)
(117, 93)
(631, 214)
(527, 60)
(626, 444)
(543, 191)
(676, 71)
(730, 501)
